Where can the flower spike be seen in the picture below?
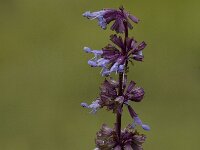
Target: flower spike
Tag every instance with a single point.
(114, 94)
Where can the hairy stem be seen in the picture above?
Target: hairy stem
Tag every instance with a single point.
(120, 91)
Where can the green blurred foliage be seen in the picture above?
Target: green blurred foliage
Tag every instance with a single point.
(44, 74)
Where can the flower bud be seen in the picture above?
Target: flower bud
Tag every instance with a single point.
(136, 94)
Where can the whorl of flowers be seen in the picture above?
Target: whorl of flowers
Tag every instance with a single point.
(130, 139)
(106, 16)
(112, 58)
(115, 57)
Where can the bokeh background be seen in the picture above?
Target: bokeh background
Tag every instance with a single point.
(44, 74)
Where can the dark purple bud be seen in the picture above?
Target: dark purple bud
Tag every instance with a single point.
(138, 94)
(117, 40)
(115, 26)
(129, 26)
(129, 43)
(141, 46)
(130, 86)
(121, 27)
(133, 45)
(108, 51)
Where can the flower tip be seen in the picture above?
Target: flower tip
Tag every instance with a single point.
(87, 49)
(92, 63)
(85, 105)
(146, 127)
(86, 14)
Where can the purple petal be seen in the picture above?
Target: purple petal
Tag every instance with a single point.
(121, 68)
(105, 72)
(130, 86)
(97, 52)
(133, 18)
(92, 63)
(102, 62)
(138, 121)
(102, 22)
(86, 14)
(117, 40)
(87, 49)
(128, 43)
(84, 105)
(145, 127)
(115, 26)
(141, 46)
(121, 27)
(114, 67)
(138, 57)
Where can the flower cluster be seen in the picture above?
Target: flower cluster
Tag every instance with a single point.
(106, 16)
(130, 139)
(110, 99)
(112, 58)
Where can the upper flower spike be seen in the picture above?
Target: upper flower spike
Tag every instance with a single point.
(119, 16)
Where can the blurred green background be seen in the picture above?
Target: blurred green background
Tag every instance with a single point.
(44, 74)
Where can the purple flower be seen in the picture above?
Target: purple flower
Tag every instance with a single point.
(94, 106)
(119, 16)
(136, 51)
(137, 121)
(97, 15)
